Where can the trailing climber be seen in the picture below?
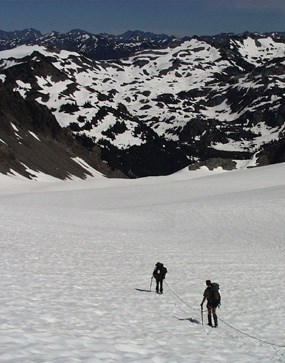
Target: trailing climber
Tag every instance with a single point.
(159, 275)
(213, 297)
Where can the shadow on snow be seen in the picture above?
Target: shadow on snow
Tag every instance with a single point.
(194, 321)
(143, 290)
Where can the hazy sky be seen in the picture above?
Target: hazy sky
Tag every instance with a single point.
(172, 17)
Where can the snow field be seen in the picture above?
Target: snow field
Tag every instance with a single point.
(76, 258)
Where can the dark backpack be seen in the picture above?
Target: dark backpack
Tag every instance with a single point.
(160, 271)
(215, 297)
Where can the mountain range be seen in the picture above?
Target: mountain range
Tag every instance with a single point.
(139, 104)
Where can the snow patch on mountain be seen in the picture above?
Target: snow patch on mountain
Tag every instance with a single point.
(257, 51)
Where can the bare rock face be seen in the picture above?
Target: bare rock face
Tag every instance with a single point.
(214, 163)
(31, 139)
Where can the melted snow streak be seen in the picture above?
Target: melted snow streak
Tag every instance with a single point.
(77, 258)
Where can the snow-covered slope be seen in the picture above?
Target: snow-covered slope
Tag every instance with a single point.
(77, 258)
(186, 103)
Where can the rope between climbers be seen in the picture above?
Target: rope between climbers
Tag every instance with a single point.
(230, 326)
(174, 293)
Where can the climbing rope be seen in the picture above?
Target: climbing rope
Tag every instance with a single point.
(174, 293)
(251, 336)
(230, 326)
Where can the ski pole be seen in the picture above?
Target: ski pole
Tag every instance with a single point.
(202, 314)
(150, 283)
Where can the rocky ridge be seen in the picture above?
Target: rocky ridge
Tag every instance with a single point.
(190, 102)
(94, 46)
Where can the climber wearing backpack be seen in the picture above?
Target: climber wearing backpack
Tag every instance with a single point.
(213, 297)
(159, 275)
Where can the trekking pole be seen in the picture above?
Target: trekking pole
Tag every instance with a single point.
(150, 283)
(202, 314)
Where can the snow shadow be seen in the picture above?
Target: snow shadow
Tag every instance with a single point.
(143, 290)
(193, 321)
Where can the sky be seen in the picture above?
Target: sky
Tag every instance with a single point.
(173, 17)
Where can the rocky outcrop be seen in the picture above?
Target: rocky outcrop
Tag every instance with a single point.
(31, 140)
